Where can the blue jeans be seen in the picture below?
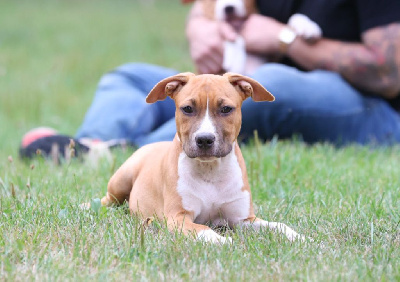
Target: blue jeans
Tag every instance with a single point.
(317, 106)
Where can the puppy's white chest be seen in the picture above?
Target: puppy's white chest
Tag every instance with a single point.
(213, 191)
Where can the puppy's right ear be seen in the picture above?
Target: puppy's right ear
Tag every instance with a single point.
(248, 87)
(168, 87)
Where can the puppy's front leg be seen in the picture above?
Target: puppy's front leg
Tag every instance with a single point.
(305, 27)
(282, 228)
(184, 223)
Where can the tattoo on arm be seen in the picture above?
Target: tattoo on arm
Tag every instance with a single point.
(372, 66)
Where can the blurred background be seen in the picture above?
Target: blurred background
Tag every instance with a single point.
(53, 53)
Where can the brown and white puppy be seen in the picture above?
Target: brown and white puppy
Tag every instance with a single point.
(200, 177)
(236, 12)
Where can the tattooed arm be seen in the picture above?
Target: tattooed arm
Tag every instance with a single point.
(373, 65)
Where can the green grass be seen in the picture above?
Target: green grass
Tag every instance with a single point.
(52, 53)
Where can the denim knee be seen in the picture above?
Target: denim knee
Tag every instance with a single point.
(278, 72)
(138, 68)
(273, 68)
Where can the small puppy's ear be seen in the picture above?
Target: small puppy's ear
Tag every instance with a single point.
(168, 87)
(249, 87)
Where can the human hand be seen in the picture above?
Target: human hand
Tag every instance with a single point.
(206, 38)
(261, 35)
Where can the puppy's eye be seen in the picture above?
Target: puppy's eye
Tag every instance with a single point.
(226, 110)
(187, 109)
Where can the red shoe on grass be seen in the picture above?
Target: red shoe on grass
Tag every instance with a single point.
(49, 143)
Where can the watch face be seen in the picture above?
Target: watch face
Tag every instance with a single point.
(287, 35)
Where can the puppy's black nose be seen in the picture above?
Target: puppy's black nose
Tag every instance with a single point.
(229, 10)
(205, 140)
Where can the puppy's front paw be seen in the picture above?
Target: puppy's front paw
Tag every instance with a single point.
(234, 56)
(294, 236)
(212, 237)
(305, 27)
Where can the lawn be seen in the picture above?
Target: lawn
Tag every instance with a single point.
(52, 54)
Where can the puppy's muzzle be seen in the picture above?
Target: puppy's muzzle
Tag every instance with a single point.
(205, 141)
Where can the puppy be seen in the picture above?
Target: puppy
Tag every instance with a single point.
(200, 177)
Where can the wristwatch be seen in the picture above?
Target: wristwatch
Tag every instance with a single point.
(286, 37)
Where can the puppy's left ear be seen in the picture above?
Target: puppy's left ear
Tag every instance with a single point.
(249, 87)
(168, 87)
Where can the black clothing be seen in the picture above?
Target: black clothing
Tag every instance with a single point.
(344, 20)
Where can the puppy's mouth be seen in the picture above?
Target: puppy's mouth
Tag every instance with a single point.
(204, 156)
(207, 155)
(235, 21)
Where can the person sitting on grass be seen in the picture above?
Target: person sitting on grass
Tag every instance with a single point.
(342, 89)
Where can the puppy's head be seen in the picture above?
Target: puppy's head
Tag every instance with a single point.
(208, 110)
(234, 12)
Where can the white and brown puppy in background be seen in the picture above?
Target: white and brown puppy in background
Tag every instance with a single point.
(236, 12)
(200, 177)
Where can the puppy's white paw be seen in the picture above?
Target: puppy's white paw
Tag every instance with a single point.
(305, 27)
(212, 237)
(294, 236)
(234, 56)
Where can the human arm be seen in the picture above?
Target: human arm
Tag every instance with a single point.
(206, 39)
(372, 65)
